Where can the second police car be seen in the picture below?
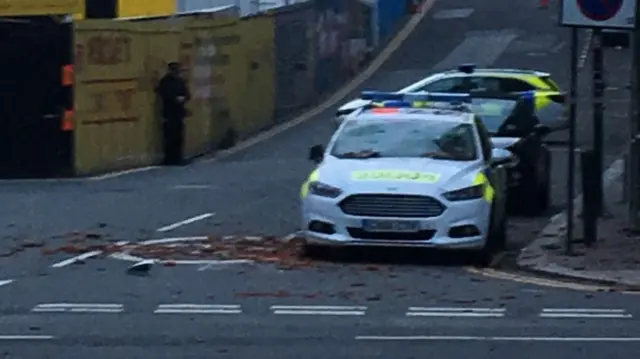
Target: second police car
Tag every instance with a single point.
(549, 98)
(397, 175)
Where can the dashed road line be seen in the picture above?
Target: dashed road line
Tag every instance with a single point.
(198, 309)
(450, 338)
(190, 220)
(318, 310)
(26, 337)
(456, 312)
(5, 282)
(585, 313)
(78, 308)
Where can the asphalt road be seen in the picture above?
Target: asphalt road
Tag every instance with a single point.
(432, 305)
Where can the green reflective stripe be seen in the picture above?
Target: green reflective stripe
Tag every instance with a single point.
(489, 191)
(304, 190)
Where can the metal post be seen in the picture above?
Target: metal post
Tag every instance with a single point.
(589, 172)
(598, 114)
(573, 98)
(634, 147)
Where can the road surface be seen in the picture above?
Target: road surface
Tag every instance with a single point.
(53, 307)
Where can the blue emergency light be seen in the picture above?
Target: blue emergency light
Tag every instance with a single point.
(528, 96)
(397, 104)
(379, 96)
(467, 68)
(452, 98)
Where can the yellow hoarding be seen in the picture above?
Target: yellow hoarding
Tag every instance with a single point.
(131, 8)
(40, 7)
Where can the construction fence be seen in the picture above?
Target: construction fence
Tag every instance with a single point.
(245, 75)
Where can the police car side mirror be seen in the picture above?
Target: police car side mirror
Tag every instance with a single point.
(316, 153)
(541, 130)
(501, 157)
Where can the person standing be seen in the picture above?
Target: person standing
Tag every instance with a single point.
(174, 95)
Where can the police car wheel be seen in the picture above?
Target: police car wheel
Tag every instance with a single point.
(496, 241)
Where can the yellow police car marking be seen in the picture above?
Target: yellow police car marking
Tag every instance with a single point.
(489, 192)
(394, 175)
(304, 190)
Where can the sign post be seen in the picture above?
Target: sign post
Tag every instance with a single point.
(594, 15)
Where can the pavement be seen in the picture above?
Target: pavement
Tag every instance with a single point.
(615, 258)
(58, 302)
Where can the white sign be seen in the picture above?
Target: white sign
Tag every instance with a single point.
(612, 14)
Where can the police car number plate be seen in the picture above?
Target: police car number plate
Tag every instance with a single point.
(374, 225)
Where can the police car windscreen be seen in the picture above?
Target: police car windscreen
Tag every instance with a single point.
(493, 111)
(439, 139)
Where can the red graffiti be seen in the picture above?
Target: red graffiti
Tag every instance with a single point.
(98, 102)
(125, 98)
(103, 50)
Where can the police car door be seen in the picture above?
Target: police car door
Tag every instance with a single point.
(495, 175)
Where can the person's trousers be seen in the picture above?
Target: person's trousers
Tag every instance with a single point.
(173, 134)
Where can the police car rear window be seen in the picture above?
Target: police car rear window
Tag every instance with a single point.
(493, 111)
(446, 140)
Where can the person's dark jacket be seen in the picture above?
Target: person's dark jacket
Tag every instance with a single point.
(169, 89)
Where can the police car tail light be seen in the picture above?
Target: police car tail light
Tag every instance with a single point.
(465, 194)
(324, 190)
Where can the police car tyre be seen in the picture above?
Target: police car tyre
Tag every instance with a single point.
(496, 242)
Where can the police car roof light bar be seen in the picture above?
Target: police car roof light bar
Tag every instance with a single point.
(379, 96)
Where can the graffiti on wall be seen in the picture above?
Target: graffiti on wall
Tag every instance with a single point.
(103, 50)
(202, 70)
(330, 27)
(220, 67)
(110, 102)
(106, 98)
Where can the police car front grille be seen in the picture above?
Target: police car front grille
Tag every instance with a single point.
(390, 205)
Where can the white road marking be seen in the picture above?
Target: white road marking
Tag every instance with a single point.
(185, 222)
(318, 310)
(585, 313)
(456, 312)
(450, 14)
(198, 309)
(122, 173)
(27, 337)
(5, 282)
(173, 240)
(78, 258)
(78, 308)
(584, 54)
(497, 338)
(480, 47)
(82, 257)
(193, 187)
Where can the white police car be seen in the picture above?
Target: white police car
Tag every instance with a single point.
(397, 175)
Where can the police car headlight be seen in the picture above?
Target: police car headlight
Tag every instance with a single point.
(465, 194)
(324, 190)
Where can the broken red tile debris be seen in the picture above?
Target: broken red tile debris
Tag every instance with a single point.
(267, 250)
(286, 255)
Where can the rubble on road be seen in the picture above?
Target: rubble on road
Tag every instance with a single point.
(284, 252)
